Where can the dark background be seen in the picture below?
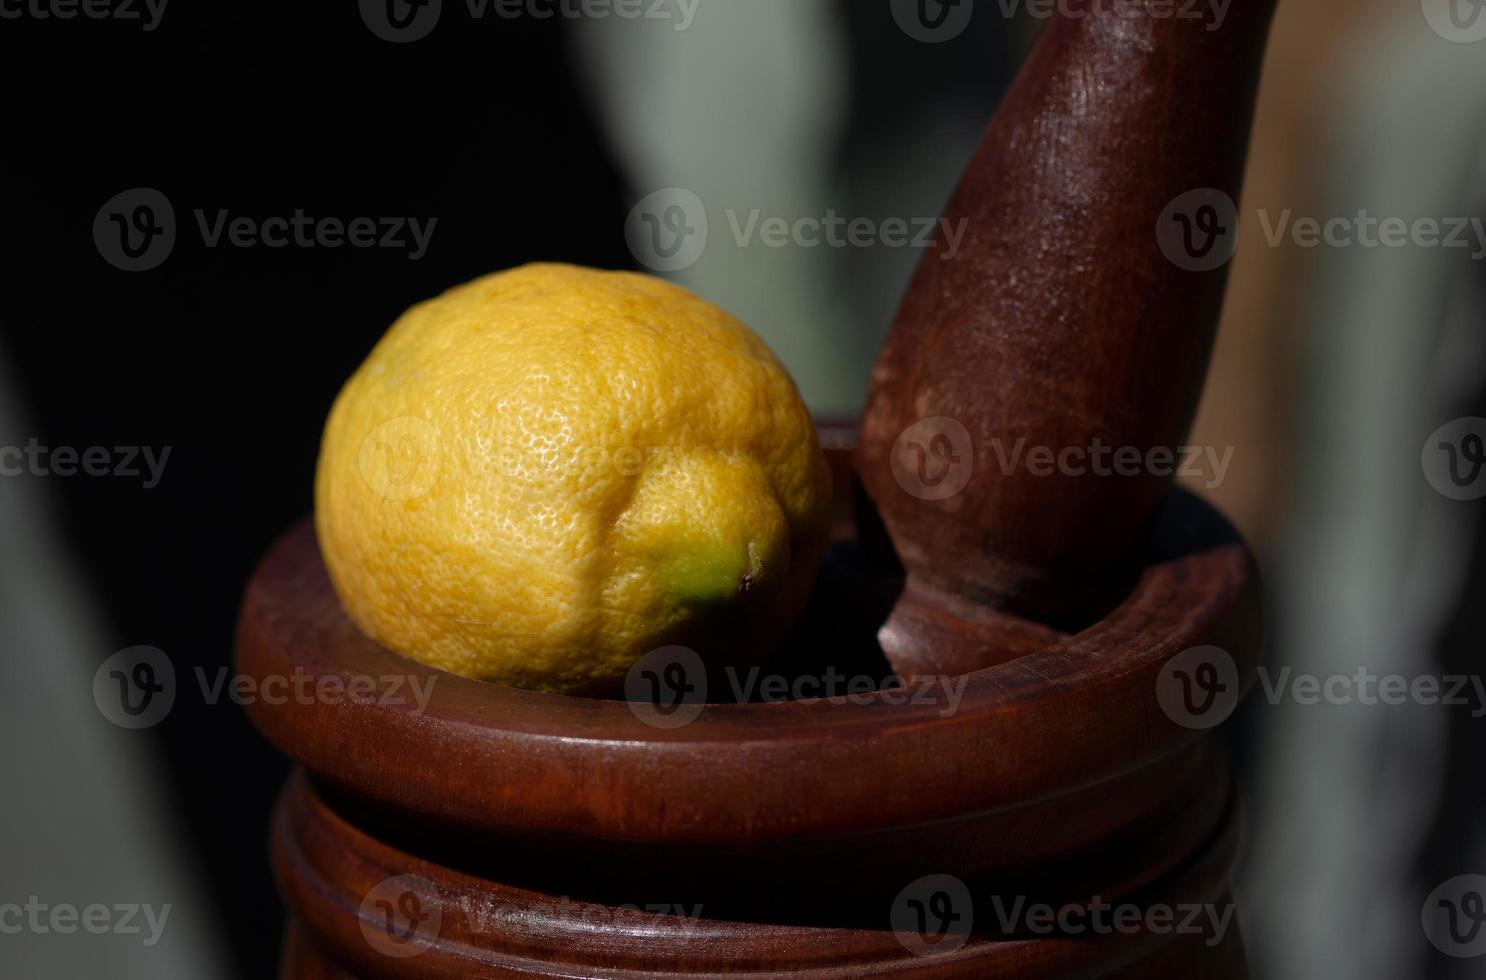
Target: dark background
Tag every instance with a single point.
(233, 355)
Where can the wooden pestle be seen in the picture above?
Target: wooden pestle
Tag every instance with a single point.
(1064, 322)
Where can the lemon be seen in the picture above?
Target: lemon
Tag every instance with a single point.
(543, 474)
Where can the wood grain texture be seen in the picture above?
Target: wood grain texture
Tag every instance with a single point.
(791, 825)
(511, 760)
(1060, 322)
(527, 834)
(473, 926)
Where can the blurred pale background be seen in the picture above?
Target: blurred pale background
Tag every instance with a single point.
(1331, 367)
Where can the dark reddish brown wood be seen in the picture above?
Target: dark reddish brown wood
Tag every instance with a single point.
(793, 825)
(531, 822)
(1066, 716)
(479, 928)
(1060, 321)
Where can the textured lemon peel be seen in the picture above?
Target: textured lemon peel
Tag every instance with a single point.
(565, 466)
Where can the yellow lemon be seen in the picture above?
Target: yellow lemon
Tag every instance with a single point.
(540, 476)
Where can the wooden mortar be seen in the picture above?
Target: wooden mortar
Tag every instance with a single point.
(1094, 628)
